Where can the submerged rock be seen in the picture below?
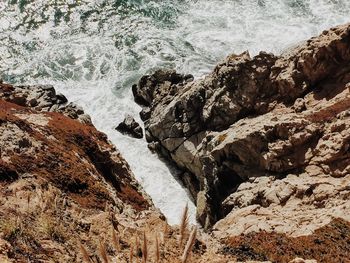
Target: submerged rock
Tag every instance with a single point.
(261, 136)
(130, 127)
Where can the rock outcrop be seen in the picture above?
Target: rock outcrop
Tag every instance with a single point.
(43, 98)
(264, 140)
(130, 127)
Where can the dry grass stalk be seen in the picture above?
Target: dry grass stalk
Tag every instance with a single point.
(190, 242)
(103, 252)
(157, 250)
(131, 254)
(85, 254)
(42, 206)
(55, 202)
(137, 245)
(64, 202)
(80, 215)
(144, 248)
(165, 228)
(28, 200)
(164, 233)
(116, 241)
(161, 238)
(183, 225)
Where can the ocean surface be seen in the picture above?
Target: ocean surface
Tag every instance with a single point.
(94, 50)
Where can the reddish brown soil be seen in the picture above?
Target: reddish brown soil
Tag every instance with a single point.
(329, 244)
(60, 161)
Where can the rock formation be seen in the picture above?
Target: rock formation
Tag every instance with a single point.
(130, 127)
(264, 141)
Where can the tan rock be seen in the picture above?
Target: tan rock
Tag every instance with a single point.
(267, 138)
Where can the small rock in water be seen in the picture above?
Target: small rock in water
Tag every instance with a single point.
(130, 127)
(61, 98)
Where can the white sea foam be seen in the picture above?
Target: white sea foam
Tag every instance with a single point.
(94, 51)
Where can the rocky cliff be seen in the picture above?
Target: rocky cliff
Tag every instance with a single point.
(264, 141)
(59, 178)
(67, 195)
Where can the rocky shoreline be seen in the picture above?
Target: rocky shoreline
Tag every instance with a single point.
(263, 142)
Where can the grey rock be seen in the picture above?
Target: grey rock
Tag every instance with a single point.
(43, 98)
(130, 127)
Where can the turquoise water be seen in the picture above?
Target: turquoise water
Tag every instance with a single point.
(93, 51)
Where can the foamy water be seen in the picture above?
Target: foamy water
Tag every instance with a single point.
(93, 51)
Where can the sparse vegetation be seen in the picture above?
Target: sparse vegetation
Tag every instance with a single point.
(51, 228)
(10, 228)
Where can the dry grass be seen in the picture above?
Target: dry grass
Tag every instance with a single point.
(10, 228)
(56, 223)
(116, 241)
(137, 246)
(144, 248)
(103, 252)
(85, 254)
(51, 228)
(131, 253)
(157, 251)
(190, 242)
(183, 225)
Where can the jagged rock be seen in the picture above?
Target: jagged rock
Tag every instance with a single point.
(147, 90)
(267, 116)
(303, 203)
(130, 127)
(43, 98)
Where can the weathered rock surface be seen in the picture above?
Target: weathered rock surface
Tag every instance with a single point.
(130, 127)
(265, 139)
(43, 98)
